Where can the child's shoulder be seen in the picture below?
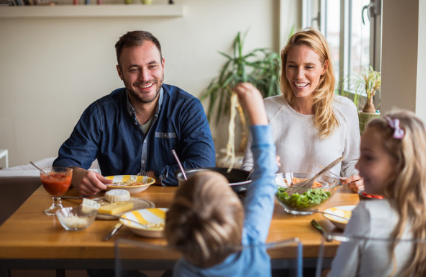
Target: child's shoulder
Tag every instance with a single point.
(375, 213)
(374, 207)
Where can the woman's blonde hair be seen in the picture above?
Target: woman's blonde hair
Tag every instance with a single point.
(407, 185)
(205, 219)
(325, 119)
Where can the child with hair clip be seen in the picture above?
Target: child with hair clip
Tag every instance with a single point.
(207, 220)
(392, 163)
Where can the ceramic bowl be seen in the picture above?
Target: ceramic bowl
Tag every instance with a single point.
(300, 200)
(153, 217)
(132, 183)
(237, 178)
(73, 219)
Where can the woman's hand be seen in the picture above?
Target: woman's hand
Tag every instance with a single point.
(355, 183)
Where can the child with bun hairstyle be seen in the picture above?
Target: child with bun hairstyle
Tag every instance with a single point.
(392, 163)
(207, 219)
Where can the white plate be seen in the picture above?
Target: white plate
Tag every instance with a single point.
(146, 216)
(345, 211)
(144, 181)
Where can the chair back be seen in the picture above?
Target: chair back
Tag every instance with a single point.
(140, 255)
(368, 256)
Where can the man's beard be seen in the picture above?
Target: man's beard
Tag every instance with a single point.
(140, 98)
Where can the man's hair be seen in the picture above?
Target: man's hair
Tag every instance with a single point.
(205, 220)
(135, 38)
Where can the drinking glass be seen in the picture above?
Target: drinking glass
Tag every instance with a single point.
(56, 181)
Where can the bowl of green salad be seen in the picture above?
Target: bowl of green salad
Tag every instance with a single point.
(301, 200)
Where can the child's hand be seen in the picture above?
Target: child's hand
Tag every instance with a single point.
(355, 183)
(251, 101)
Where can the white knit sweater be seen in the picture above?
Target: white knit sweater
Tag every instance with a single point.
(298, 143)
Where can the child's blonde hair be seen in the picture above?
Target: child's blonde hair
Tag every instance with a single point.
(325, 119)
(407, 186)
(205, 219)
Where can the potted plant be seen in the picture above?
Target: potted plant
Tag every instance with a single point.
(365, 85)
(260, 67)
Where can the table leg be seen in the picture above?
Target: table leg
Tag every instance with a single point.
(60, 273)
(4, 270)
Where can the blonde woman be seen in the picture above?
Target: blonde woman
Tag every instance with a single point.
(310, 125)
(392, 163)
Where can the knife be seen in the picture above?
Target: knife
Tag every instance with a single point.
(70, 197)
(316, 225)
(114, 231)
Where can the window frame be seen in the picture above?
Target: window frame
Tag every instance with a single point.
(372, 12)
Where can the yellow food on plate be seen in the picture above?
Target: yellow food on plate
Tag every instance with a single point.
(340, 212)
(115, 208)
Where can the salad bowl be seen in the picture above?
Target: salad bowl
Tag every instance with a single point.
(303, 200)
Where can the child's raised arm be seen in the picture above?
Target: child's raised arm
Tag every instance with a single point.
(251, 101)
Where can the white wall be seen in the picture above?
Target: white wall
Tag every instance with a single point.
(51, 69)
(403, 58)
(421, 69)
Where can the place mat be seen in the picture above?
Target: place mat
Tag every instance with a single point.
(138, 203)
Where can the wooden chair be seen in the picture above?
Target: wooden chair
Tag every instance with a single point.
(372, 254)
(142, 256)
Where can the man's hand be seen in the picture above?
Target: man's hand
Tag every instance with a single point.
(152, 175)
(355, 183)
(88, 183)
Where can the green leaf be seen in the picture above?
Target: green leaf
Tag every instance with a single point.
(261, 67)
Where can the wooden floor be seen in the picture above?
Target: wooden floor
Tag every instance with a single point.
(68, 273)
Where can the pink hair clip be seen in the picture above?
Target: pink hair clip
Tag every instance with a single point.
(398, 133)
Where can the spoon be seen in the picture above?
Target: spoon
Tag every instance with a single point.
(308, 183)
(180, 165)
(41, 170)
(249, 175)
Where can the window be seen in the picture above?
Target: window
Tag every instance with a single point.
(352, 29)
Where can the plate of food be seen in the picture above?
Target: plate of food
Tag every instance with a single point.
(132, 183)
(114, 203)
(151, 221)
(340, 211)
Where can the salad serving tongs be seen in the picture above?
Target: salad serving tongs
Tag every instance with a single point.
(309, 183)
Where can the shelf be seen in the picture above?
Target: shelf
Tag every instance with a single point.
(132, 10)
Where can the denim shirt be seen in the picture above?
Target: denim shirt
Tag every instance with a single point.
(109, 132)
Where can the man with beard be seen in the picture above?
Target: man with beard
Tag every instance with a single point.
(134, 129)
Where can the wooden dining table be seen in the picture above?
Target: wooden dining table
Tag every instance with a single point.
(29, 239)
